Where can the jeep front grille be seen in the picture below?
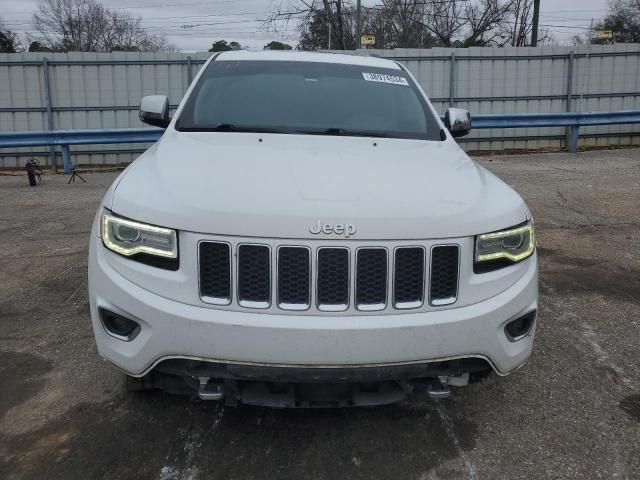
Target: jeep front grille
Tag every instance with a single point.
(333, 279)
(328, 278)
(294, 278)
(371, 278)
(408, 288)
(444, 274)
(254, 276)
(215, 272)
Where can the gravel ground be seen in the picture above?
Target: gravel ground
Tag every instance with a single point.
(572, 412)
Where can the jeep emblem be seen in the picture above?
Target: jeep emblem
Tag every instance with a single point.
(346, 229)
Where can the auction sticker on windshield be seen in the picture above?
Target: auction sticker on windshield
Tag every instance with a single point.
(384, 78)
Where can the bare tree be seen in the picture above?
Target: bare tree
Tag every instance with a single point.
(395, 23)
(456, 23)
(517, 29)
(316, 18)
(413, 23)
(446, 20)
(87, 26)
(467, 23)
(403, 22)
(522, 14)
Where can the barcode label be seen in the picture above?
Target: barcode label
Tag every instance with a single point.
(384, 78)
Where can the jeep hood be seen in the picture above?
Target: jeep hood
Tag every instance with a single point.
(271, 185)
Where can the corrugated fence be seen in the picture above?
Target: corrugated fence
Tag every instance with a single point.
(90, 90)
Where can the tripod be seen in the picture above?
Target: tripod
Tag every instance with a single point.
(74, 174)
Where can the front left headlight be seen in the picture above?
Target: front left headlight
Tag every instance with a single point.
(506, 246)
(139, 240)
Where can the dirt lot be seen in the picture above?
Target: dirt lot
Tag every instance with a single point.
(572, 412)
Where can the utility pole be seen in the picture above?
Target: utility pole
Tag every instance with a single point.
(358, 23)
(329, 36)
(536, 20)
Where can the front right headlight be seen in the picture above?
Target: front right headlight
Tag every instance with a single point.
(506, 246)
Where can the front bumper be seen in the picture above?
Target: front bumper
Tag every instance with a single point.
(171, 329)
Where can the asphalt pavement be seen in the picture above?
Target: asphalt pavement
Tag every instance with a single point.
(572, 411)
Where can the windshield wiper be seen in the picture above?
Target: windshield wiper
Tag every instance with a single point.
(350, 133)
(230, 127)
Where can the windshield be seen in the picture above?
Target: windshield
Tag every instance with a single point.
(308, 97)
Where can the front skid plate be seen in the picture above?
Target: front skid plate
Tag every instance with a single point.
(314, 395)
(310, 388)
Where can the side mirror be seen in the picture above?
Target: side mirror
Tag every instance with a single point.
(154, 110)
(457, 121)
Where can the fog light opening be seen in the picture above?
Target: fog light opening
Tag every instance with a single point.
(119, 326)
(520, 327)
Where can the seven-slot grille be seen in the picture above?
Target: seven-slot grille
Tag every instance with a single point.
(322, 278)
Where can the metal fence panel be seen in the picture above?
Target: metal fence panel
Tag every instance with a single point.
(519, 80)
(97, 90)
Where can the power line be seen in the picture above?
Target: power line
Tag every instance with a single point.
(576, 11)
(145, 20)
(22, 21)
(571, 19)
(178, 4)
(148, 6)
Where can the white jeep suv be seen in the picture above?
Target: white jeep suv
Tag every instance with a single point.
(307, 232)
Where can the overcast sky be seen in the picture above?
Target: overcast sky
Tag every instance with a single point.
(193, 25)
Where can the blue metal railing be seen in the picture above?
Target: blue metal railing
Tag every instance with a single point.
(563, 119)
(64, 138)
(573, 120)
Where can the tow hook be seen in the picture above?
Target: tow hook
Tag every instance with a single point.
(438, 388)
(210, 390)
